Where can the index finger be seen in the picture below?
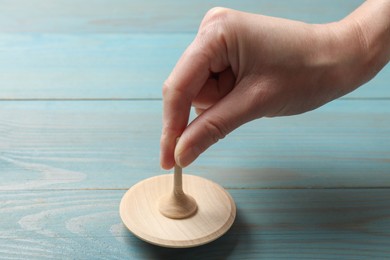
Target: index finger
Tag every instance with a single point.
(182, 86)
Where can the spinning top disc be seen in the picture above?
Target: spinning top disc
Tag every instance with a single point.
(215, 213)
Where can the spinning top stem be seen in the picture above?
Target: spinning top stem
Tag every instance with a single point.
(177, 205)
(178, 180)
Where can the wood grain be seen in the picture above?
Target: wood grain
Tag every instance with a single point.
(115, 66)
(306, 187)
(105, 144)
(123, 16)
(101, 66)
(294, 224)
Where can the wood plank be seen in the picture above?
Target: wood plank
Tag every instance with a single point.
(92, 66)
(99, 66)
(103, 144)
(294, 224)
(124, 16)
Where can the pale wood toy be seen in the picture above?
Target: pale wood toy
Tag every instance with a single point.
(159, 210)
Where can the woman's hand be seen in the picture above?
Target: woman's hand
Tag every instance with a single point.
(245, 66)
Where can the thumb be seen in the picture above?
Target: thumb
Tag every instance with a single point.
(212, 125)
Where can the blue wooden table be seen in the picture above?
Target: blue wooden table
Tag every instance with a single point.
(80, 120)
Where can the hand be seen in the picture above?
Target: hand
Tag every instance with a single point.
(244, 66)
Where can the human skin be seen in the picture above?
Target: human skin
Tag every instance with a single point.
(243, 66)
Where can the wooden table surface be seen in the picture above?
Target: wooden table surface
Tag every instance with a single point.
(80, 121)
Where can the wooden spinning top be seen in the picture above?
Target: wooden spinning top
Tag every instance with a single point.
(159, 210)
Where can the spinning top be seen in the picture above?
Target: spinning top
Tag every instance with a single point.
(176, 210)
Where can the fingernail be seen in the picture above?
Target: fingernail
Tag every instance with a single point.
(184, 158)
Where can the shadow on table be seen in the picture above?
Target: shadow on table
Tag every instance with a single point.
(218, 249)
(271, 223)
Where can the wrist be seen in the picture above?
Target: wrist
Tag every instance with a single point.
(361, 43)
(368, 28)
(352, 52)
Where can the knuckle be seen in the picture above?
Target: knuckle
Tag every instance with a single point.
(166, 88)
(171, 131)
(216, 14)
(215, 20)
(216, 129)
(214, 34)
(198, 111)
(174, 94)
